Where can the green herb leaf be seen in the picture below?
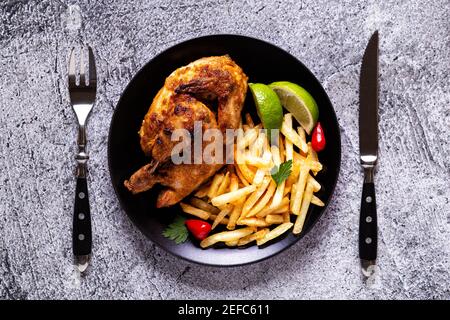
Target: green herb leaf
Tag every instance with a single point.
(279, 174)
(177, 230)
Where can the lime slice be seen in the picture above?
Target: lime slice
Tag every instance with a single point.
(268, 105)
(299, 102)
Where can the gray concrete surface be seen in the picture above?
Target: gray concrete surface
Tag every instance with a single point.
(37, 146)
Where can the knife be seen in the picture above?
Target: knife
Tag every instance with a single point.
(368, 149)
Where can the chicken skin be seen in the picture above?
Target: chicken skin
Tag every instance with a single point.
(186, 97)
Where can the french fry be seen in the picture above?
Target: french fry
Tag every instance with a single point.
(251, 200)
(232, 196)
(278, 197)
(235, 214)
(234, 182)
(241, 177)
(316, 166)
(194, 211)
(226, 236)
(296, 163)
(259, 177)
(234, 186)
(203, 205)
(301, 134)
(222, 214)
(281, 209)
(287, 190)
(313, 153)
(299, 160)
(224, 185)
(316, 201)
(250, 136)
(289, 147)
(293, 190)
(267, 146)
(281, 147)
(316, 185)
(252, 222)
(274, 219)
(247, 173)
(314, 157)
(276, 232)
(239, 147)
(257, 148)
(217, 180)
(269, 210)
(262, 170)
(304, 209)
(249, 120)
(264, 162)
(275, 155)
(214, 216)
(277, 159)
(290, 133)
(252, 237)
(300, 187)
(316, 188)
(286, 217)
(264, 200)
(233, 243)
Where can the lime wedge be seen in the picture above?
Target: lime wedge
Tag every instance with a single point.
(268, 105)
(299, 102)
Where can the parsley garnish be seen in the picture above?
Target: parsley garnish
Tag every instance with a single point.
(177, 230)
(279, 174)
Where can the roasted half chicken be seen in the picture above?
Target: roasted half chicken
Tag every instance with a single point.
(211, 90)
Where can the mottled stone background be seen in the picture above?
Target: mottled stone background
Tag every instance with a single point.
(37, 147)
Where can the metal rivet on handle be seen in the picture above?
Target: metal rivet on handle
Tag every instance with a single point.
(81, 216)
(81, 237)
(369, 199)
(81, 195)
(368, 240)
(368, 219)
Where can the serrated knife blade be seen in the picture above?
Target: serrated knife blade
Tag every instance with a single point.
(368, 104)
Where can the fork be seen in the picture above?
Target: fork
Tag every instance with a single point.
(82, 98)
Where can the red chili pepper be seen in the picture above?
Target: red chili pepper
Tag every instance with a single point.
(318, 138)
(198, 228)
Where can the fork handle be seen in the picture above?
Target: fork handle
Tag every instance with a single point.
(82, 234)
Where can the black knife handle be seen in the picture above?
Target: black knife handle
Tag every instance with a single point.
(82, 234)
(368, 223)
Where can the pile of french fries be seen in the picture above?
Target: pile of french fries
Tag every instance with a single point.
(246, 199)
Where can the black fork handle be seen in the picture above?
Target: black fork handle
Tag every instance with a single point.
(82, 233)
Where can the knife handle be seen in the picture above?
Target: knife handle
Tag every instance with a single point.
(368, 219)
(82, 234)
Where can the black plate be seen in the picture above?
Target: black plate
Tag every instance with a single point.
(262, 62)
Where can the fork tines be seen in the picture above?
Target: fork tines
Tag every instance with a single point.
(92, 73)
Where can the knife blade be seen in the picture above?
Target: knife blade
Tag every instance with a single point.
(368, 148)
